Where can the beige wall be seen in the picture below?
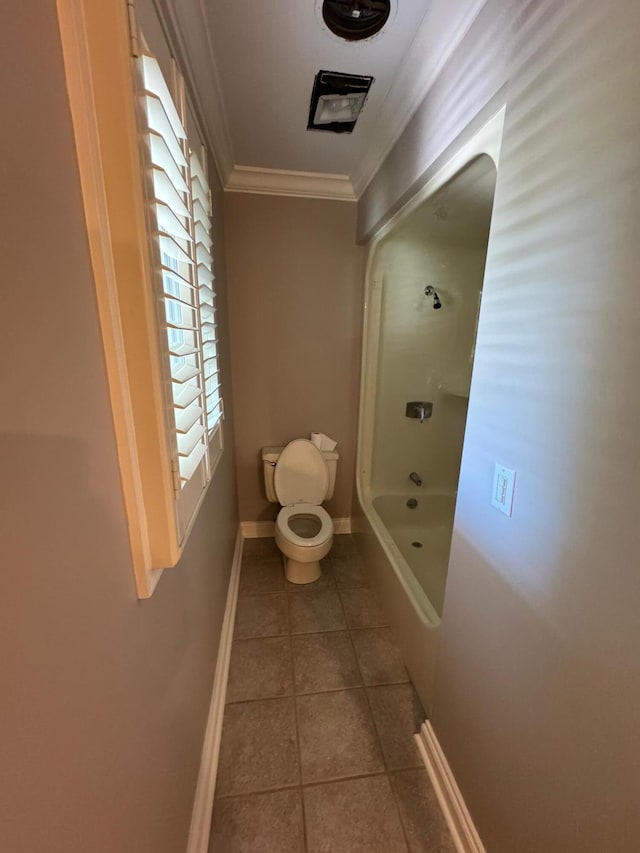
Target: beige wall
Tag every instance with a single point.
(538, 686)
(295, 301)
(104, 697)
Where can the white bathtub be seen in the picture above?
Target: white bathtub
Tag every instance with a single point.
(411, 587)
(422, 536)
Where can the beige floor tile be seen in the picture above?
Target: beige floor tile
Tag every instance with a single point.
(324, 662)
(379, 657)
(261, 616)
(337, 736)
(259, 749)
(312, 610)
(362, 609)
(258, 823)
(343, 546)
(260, 549)
(349, 571)
(260, 575)
(398, 715)
(260, 669)
(425, 827)
(354, 816)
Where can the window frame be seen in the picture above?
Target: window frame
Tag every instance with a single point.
(96, 41)
(189, 493)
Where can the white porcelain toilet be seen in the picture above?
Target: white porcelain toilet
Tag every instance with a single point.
(300, 477)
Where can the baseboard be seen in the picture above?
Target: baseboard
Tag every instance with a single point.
(205, 789)
(257, 529)
(342, 525)
(464, 833)
(260, 529)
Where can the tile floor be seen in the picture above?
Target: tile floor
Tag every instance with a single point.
(317, 751)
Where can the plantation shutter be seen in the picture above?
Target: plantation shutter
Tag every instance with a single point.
(179, 247)
(201, 196)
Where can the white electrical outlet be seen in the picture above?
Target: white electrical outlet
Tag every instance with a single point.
(504, 480)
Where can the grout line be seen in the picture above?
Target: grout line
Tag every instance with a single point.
(373, 719)
(379, 739)
(267, 592)
(257, 639)
(396, 802)
(335, 690)
(262, 637)
(296, 715)
(389, 683)
(295, 694)
(319, 782)
(315, 633)
(258, 791)
(330, 690)
(334, 780)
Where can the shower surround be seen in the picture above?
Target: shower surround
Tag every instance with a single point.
(424, 284)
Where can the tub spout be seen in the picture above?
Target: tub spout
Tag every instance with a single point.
(415, 478)
(421, 409)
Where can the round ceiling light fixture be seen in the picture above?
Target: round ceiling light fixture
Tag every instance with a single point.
(355, 20)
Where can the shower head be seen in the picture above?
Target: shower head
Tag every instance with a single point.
(429, 291)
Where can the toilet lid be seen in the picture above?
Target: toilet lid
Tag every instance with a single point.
(301, 475)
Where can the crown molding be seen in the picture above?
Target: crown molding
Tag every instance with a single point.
(415, 77)
(250, 179)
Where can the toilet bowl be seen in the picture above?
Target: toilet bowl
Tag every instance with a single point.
(299, 477)
(304, 534)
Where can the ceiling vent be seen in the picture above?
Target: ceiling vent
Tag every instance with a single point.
(355, 19)
(336, 101)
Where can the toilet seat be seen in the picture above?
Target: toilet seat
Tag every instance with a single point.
(289, 512)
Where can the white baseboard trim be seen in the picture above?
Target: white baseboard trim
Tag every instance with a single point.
(464, 833)
(206, 786)
(257, 529)
(260, 529)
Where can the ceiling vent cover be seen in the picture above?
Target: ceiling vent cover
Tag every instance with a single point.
(355, 19)
(336, 101)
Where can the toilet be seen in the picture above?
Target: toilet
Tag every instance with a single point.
(300, 477)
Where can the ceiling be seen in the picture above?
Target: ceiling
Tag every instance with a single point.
(263, 57)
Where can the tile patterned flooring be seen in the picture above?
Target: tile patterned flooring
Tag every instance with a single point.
(317, 752)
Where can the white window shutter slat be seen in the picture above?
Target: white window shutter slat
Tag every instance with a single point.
(170, 187)
(180, 214)
(205, 278)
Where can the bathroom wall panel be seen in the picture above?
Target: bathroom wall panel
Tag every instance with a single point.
(423, 354)
(295, 298)
(538, 674)
(105, 697)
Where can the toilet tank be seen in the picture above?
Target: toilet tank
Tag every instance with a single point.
(270, 456)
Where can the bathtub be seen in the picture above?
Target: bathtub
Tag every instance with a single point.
(421, 540)
(408, 580)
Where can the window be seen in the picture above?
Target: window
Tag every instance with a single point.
(179, 216)
(143, 172)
